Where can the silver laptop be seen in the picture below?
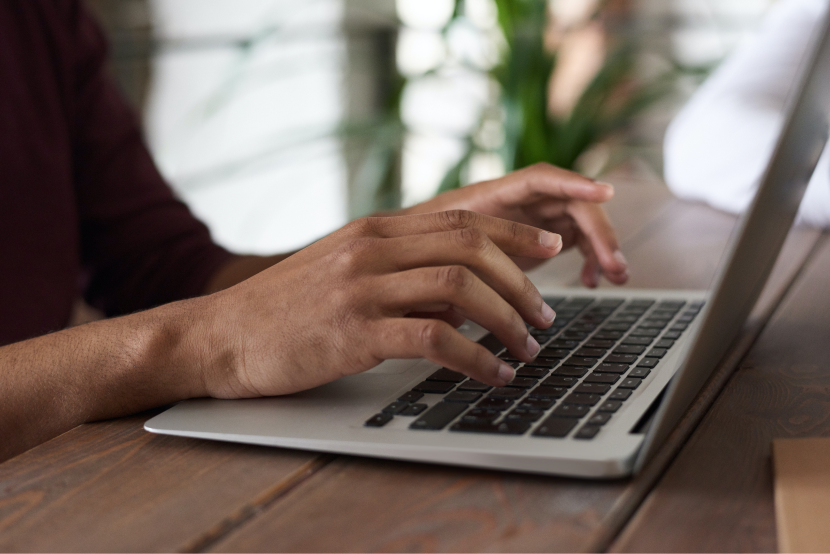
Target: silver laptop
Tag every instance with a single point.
(612, 361)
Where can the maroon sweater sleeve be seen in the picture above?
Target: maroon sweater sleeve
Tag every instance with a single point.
(140, 245)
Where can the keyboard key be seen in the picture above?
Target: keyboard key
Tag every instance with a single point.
(438, 416)
(606, 367)
(671, 304)
(596, 343)
(378, 420)
(572, 410)
(570, 371)
(653, 324)
(674, 335)
(525, 414)
(593, 388)
(545, 363)
(507, 427)
(587, 432)
(491, 343)
(629, 349)
(495, 403)
(678, 327)
(395, 408)
(463, 397)
(641, 302)
(481, 413)
(411, 396)
(598, 419)
(506, 392)
(627, 359)
(582, 399)
(641, 332)
(630, 383)
(656, 353)
(560, 381)
(616, 327)
(610, 302)
(606, 378)
(537, 403)
(639, 372)
(552, 301)
(648, 362)
(580, 362)
(555, 427)
(625, 318)
(641, 341)
(610, 406)
(523, 383)
(576, 335)
(685, 319)
(664, 343)
(434, 387)
(413, 410)
(448, 375)
(561, 343)
(473, 385)
(620, 394)
(533, 372)
(609, 335)
(590, 353)
(557, 353)
(548, 392)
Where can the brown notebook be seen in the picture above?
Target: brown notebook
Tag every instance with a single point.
(802, 494)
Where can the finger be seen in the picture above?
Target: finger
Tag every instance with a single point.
(590, 267)
(472, 248)
(516, 239)
(438, 342)
(434, 289)
(450, 316)
(537, 182)
(594, 224)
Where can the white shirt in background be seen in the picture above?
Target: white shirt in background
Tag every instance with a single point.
(718, 146)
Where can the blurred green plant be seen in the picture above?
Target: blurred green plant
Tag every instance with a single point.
(531, 133)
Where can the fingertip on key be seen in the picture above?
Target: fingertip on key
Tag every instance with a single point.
(506, 373)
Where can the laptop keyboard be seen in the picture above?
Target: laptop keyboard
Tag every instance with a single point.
(596, 353)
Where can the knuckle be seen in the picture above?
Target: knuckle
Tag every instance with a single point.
(353, 252)
(458, 219)
(433, 335)
(542, 166)
(365, 226)
(472, 238)
(455, 278)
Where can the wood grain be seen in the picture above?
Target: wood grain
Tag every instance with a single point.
(717, 496)
(110, 486)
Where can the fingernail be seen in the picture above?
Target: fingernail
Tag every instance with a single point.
(532, 346)
(547, 313)
(550, 240)
(506, 373)
(620, 258)
(604, 184)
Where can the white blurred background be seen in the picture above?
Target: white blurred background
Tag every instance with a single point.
(250, 105)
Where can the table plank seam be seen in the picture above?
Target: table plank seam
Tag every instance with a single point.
(251, 509)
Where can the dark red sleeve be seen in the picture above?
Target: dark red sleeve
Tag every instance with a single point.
(140, 246)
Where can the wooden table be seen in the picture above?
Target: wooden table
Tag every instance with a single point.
(110, 486)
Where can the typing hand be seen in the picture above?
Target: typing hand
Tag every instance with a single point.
(379, 288)
(553, 199)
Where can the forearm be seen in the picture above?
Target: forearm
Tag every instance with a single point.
(100, 370)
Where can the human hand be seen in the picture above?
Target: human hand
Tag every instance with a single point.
(549, 198)
(380, 288)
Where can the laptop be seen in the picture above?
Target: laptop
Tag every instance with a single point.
(613, 360)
